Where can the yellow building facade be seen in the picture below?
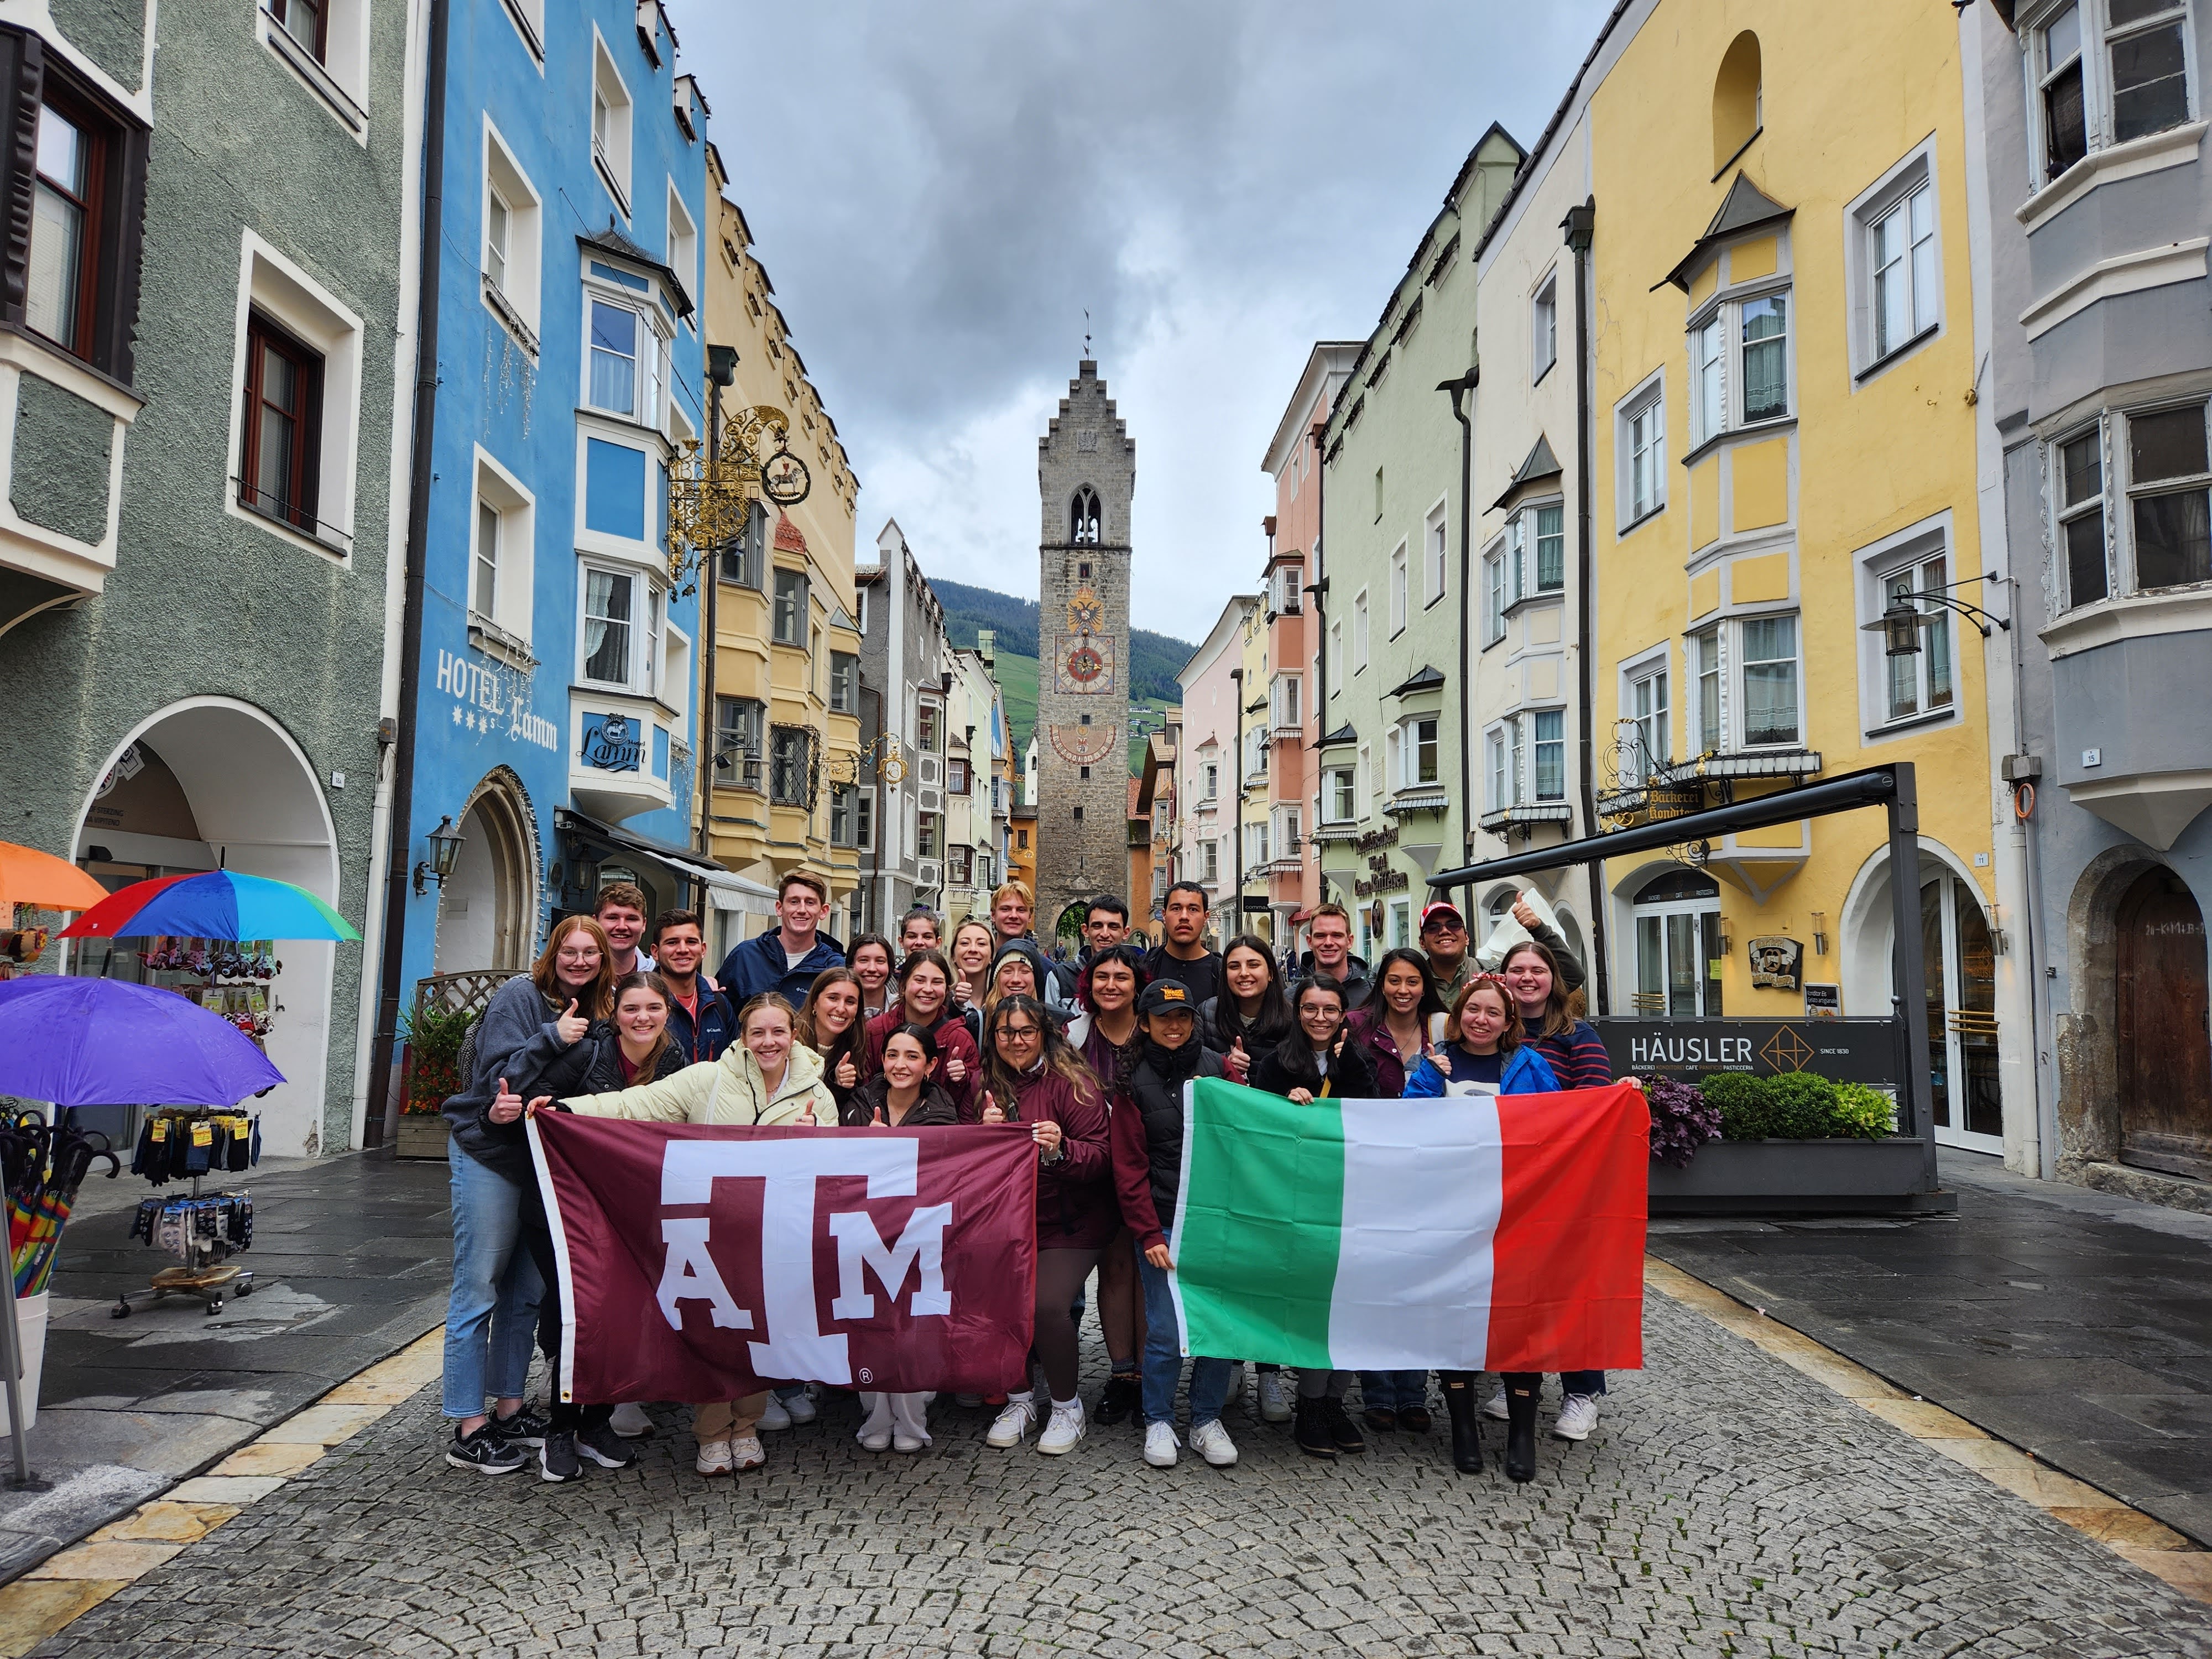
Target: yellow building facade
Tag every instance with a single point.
(784, 672)
(1781, 368)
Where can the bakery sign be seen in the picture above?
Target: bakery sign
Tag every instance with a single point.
(1846, 1050)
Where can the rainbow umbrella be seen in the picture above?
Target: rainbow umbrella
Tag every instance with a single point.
(214, 904)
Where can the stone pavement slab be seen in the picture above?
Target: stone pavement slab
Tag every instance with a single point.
(2073, 1323)
(1729, 1503)
(351, 1258)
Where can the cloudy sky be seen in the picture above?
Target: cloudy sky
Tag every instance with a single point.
(939, 191)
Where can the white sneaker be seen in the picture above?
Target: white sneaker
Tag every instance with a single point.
(775, 1417)
(1211, 1441)
(1577, 1417)
(1013, 1424)
(905, 1442)
(1274, 1399)
(799, 1408)
(746, 1452)
(1066, 1426)
(1495, 1406)
(880, 1441)
(631, 1422)
(1160, 1443)
(714, 1457)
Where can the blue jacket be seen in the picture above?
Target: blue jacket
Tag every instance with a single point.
(1526, 1072)
(756, 966)
(715, 1030)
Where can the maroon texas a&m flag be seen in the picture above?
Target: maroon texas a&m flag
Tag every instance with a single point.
(704, 1263)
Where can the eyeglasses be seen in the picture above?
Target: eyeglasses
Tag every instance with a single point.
(1020, 1033)
(578, 955)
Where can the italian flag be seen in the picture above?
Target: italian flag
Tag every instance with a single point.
(1501, 1233)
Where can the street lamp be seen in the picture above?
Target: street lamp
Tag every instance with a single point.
(445, 849)
(1902, 623)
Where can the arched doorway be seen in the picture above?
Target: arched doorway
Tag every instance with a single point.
(488, 909)
(1677, 915)
(2163, 1048)
(1070, 925)
(212, 783)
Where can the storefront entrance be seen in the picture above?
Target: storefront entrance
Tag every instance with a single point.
(2163, 1053)
(1678, 919)
(1962, 1023)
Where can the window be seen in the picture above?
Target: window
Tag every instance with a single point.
(1370, 785)
(1493, 597)
(843, 798)
(959, 866)
(1336, 650)
(512, 222)
(1550, 754)
(844, 683)
(1289, 584)
(790, 750)
(1213, 781)
(1398, 594)
(1284, 830)
(955, 776)
(1516, 738)
(787, 620)
(1416, 760)
(2080, 480)
(1337, 797)
(1359, 631)
(1501, 781)
(306, 21)
(59, 297)
(1643, 446)
(1209, 862)
(1648, 717)
(927, 718)
(1378, 494)
(683, 245)
(86, 198)
(1547, 328)
(1289, 705)
(1255, 752)
(484, 587)
(745, 556)
(1920, 683)
(860, 601)
(500, 564)
(1256, 846)
(1902, 257)
(279, 454)
(1741, 355)
(613, 620)
(1433, 543)
(611, 123)
(929, 832)
(1083, 520)
(2167, 482)
(864, 820)
(628, 362)
(1770, 681)
(2105, 73)
(1551, 548)
(1705, 655)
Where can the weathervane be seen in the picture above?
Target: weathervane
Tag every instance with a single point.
(1086, 331)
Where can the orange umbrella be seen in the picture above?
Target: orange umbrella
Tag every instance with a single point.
(30, 877)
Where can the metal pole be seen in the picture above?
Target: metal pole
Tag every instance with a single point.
(11, 1359)
(1911, 971)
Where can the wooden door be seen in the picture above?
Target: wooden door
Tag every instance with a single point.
(2165, 1051)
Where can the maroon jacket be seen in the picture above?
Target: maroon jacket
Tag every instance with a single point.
(1076, 1209)
(1371, 1029)
(953, 1038)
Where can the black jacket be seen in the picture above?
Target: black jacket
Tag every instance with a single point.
(1159, 1101)
(591, 1066)
(1357, 984)
(935, 1109)
(1220, 1026)
(1200, 976)
(1289, 1065)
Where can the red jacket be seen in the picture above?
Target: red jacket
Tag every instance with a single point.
(1076, 1210)
(1371, 1029)
(953, 1038)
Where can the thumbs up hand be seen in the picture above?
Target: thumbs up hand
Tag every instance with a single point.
(571, 1026)
(506, 1106)
(992, 1111)
(956, 1069)
(847, 1074)
(1438, 1058)
(1237, 1062)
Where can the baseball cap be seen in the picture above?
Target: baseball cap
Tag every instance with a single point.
(1442, 910)
(1170, 995)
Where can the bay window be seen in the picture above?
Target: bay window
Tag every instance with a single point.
(844, 683)
(2103, 72)
(627, 373)
(1493, 598)
(1706, 658)
(622, 630)
(1770, 679)
(2158, 534)
(739, 723)
(1550, 754)
(2080, 477)
(1648, 715)
(1741, 368)
(1415, 759)
(787, 622)
(789, 772)
(1339, 802)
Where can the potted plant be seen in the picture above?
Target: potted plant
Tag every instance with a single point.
(434, 1036)
(1794, 1141)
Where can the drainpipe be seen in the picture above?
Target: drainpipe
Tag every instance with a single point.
(377, 1124)
(1461, 389)
(1319, 588)
(1579, 225)
(721, 371)
(1236, 840)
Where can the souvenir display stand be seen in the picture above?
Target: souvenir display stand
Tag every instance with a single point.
(203, 1230)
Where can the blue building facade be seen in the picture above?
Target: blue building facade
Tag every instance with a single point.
(557, 689)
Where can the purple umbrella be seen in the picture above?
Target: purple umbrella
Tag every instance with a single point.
(105, 1042)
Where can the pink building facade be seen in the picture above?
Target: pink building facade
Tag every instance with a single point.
(1207, 777)
(1293, 565)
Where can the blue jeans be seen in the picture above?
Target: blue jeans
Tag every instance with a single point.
(1394, 1391)
(491, 1319)
(1163, 1365)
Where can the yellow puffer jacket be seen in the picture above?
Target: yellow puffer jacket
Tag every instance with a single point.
(729, 1090)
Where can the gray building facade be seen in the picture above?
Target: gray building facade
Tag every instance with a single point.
(2098, 316)
(199, 374)
(1086, 477)
(906, 674)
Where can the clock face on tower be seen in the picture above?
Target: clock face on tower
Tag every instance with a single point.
(1085, 614)
(1084, 663)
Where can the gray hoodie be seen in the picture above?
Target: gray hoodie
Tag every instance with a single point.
(516, 1040)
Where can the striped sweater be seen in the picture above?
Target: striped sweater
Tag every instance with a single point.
(1578, 1059)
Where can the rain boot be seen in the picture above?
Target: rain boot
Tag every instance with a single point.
(1466, 1433)
(1521, 1432)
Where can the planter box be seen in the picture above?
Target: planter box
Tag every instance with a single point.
(422, 1134)
(1759, 1177)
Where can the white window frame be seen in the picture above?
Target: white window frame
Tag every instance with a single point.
(1729, 313)
(684, 245)
(1286, 701)
(610, 142)
(2065, 513)
(1647, 690)
(1359, 631)
(1742, 667)
(1494, 594)
(1210, 775)
(1365, 783)
(1400, 588)
(528, 18)
(1906, 555)
(1705, 660)
(650, 365)
(1209, 862)
(339, 76)
(515, 512)
(1436, 552)
(2100, 113)
(1544, 327)
(1339, 788)
(1498, 778)
(1405, 746)
(516, 297)
(2131, 492)
(648, 606)
(1537, 744)
(1890, 195)
(1336, 650)
(1640, 444)
(801, 607)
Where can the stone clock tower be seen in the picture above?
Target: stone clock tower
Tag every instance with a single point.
(1086, 473)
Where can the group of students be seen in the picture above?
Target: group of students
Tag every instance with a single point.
(983, 1027)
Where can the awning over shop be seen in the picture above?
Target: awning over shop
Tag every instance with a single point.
(683, 863)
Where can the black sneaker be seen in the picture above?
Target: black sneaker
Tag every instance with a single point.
(1309, 1429)
(485, 1452)
(605, 1446)
(556, 1459)
(1119, 1399)
(1343, 1433)
(524, 1428)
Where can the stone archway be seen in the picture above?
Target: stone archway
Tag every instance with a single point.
(488, 910)
(247, 801)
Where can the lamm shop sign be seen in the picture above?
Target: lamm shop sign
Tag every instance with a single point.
(1846, 1050)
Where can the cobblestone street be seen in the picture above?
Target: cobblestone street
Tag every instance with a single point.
(1728, 1503)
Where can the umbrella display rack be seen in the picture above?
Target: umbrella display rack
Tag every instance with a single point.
(203, 1228)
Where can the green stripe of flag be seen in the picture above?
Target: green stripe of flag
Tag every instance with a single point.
(1258, 1223)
